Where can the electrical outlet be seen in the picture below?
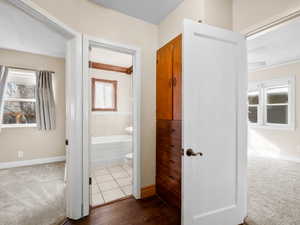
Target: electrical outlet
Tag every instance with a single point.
(20, 154)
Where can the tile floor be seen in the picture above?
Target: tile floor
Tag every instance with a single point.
(111, 182)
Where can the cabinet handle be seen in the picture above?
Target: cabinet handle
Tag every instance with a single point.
(174, 81)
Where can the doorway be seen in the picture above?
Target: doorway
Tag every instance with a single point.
(273, 137)
(111, 128)
(71, 67)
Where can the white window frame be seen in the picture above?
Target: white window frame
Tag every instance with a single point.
(19, 73)
(261, 87)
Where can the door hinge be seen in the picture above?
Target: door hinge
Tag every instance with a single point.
(90, 181)
(67, 142)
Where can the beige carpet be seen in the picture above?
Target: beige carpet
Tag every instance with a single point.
(32, 195)
(274, 192)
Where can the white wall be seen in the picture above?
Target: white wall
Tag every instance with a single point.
(92, 19)
(113, 123)
(275, 142)
(248, 14)
(213, 12)
(34, 143)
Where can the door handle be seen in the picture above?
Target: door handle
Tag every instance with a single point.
(190, 152)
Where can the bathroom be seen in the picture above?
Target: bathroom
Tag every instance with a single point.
(110, 75)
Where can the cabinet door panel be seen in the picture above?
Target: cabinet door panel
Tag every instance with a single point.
(177, 43)
(164, 83)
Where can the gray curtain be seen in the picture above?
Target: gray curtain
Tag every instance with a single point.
(45, 106)
(3, 79)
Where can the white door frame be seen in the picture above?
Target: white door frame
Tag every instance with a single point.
(73, 97)
(136, 53)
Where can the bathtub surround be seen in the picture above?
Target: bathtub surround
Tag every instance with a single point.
(35, 144)
(107, 150)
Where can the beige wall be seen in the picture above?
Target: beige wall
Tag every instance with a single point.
(284, 143)
(92, 19)
(247, 14)
(213, 12)
(34, 143)
(113, 123)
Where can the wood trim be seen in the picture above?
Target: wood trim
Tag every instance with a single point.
(102, 66)
(148, 191)
(114, 83)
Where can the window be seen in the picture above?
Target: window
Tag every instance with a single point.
(272, 103)
(253, 108)
(104, 95)
(19, 99)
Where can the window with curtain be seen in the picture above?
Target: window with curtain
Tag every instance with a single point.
(19, 99)
(272, 103)
(104, 95)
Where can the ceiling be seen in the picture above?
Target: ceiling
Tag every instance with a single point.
(21, 32)
(277, 46)
(102, 55)
(152, 11)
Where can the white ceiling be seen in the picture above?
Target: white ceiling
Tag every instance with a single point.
(110, 57)
(278, 46)
(152, 11)
(21, 32)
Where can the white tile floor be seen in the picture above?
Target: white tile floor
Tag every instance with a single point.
(111, 182)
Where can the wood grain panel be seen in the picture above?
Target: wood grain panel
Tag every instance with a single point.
(108, 67)
(164, 83)
(148, 191)
(177, 78)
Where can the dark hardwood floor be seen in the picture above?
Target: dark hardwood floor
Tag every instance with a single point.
(150, 211)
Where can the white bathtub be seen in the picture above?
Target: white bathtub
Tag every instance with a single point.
(110, 149)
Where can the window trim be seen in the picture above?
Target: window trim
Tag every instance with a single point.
(114, 83)
(20, 73)
(261, 87)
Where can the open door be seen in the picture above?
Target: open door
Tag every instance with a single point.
(214, 126)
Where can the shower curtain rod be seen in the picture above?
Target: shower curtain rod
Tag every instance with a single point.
(21, 68)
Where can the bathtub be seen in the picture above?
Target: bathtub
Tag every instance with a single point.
(110, 149)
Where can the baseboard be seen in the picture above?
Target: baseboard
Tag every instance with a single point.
(6, 165)
(148, 191)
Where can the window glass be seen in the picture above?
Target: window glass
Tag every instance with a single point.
(19, 99)
(277, 114)
(253, 114)
(253, 98)
(20, 86)
(18, 112)
(278, 95)
(253, 103)
(104, 95)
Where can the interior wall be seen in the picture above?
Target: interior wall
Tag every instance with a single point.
(34, 143)
(105, 123)
(89, 18)
(212, 12)
(276, 142)
(248, 14)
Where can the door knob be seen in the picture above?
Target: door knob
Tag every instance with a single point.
(190, 152)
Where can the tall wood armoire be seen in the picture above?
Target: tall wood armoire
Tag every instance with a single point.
(168, 124)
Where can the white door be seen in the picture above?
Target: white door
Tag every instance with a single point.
(214, 123)
(74, 181)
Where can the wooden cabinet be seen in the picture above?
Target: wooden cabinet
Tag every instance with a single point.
(168, 81)
(168, 125)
